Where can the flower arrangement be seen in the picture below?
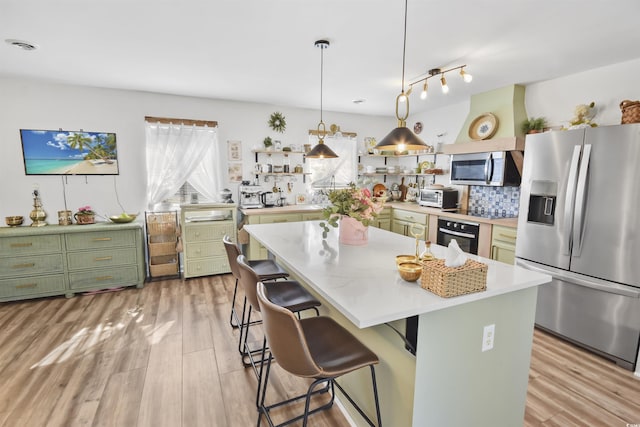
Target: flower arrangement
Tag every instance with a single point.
(353, 202)
(85, 210)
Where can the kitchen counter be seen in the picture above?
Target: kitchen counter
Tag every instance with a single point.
(451, 379)
(410, 206)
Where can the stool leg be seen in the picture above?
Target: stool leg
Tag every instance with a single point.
(375, 394)
(233, 308)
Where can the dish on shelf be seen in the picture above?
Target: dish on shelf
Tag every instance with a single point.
(484, 126)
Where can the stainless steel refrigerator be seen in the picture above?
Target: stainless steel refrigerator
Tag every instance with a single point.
(580, 222)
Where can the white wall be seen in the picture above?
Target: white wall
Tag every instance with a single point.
(36, 105)
(27, 104)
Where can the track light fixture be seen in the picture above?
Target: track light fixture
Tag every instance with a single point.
(443, 81)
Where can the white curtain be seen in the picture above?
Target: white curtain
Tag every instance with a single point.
(178, 153)
(326, 173)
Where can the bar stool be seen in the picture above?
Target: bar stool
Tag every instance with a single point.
(267, 269)
(288, 294)
(314, 347)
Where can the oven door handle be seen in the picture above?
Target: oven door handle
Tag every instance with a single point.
(457, 233)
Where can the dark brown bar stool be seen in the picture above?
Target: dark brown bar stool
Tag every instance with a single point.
(288, 294)
(267, 269)
(314, 347)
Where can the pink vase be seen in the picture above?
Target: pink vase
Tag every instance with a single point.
(353, 232)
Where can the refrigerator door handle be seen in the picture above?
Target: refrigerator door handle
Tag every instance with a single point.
(555, 273)
(580, 200)
(569, 200)
(488, 169)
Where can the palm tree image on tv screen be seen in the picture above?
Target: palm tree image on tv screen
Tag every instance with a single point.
(49, 152)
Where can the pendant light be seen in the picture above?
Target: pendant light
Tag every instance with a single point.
(321, 150)
(401, 138)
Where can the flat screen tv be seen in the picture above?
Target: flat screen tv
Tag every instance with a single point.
(61, 152)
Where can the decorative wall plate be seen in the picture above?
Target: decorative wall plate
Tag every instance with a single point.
(484, 126)
(417, 128)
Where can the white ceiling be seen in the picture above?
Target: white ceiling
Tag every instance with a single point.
(263, 50)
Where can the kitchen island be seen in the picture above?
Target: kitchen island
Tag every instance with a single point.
(450, 381)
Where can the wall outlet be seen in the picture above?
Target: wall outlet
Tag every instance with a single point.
(488, 335)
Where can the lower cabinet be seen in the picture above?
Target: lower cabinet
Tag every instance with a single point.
(404, 222)
(56, 260)
(203, 227)
(255, 250)
(503, 244)
(383, 220)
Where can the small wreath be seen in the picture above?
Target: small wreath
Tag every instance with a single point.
(277, 122)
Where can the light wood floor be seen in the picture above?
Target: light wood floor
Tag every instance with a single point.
(166, 356)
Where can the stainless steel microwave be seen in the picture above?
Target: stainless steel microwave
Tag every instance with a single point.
(495, 168)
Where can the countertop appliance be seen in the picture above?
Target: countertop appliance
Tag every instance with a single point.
(496, 168)
(444, 198)
(578, 222)
(250, 196)
(269, 198)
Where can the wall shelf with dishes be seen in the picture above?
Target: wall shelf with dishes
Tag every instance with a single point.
(284, 169)
(423, 169)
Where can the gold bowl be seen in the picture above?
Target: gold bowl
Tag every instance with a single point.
(410, 271)
(123, 218)
(14, 221)
(405, 258)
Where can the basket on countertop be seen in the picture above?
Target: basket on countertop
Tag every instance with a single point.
(630, 111)
(453, 281)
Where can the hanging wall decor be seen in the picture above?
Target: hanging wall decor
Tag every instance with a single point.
(277, 122)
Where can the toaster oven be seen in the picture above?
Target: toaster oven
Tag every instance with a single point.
(445, 198)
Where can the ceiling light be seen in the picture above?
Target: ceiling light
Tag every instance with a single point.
(465, 76)
(423, 94)
(445, 86)
(321, 150)
(359, 101)
(21, 44)
(401, 138)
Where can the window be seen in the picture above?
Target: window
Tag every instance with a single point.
(329, 173)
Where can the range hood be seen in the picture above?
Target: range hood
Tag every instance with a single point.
(507, 105)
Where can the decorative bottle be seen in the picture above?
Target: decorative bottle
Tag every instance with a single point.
(426, 255)
(37, 215)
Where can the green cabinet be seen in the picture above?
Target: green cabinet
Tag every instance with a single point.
(62, 260)
(503, 244)
(404, 221)
(383, 220)
(203, 227)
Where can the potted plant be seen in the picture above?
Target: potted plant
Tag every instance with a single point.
(268, 143)
(534, 125)
(85, 215)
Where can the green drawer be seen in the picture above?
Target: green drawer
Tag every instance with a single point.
(30, 265)
(104, 278)
(420, 218)
(205, 249)
(312, 216)
(33, 285)
(27, 245)
(206, 267)
(273, 218)
(203, 232)
(100, 239)
(504, 234)
(98, 259)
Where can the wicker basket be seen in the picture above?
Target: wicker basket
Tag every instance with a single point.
(453, 281)
(630, 111)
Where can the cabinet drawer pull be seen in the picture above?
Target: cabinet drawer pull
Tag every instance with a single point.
(103, 258)
(21, 245)
(25, 265)
(507, 236)
(101, 239)
(103, 278)
(27, 285)
(280, 220)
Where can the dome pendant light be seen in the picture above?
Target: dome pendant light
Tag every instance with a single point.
(321, 150)
(401, 138)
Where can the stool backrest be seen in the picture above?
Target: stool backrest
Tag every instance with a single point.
(285, 337)
(232, 254)
(249, 279)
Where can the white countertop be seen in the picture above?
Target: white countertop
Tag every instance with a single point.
(362, 282)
